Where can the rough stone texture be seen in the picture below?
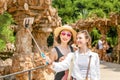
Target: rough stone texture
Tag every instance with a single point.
(45, 20)
(102, 24)
(3, 6)
(5, 67)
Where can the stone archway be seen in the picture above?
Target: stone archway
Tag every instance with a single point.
(102, 24)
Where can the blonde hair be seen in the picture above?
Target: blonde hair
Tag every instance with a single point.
(87, 36)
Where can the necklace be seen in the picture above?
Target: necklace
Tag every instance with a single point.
(64, 50)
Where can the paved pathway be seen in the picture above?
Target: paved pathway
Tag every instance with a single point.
(110, 71)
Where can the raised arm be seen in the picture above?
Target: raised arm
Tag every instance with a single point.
(64, 65)
(53, 55)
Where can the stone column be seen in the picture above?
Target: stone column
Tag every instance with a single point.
(118, 46)
(45, 17)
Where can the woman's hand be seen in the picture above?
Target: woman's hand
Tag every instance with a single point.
(48, 60)
(62, 58)
(74, 47)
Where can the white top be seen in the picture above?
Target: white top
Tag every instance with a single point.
(80, 65)
(100, 44)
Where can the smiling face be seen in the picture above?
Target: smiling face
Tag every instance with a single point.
(65, 36)
(83, 39)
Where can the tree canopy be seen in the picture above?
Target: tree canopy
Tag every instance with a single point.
(72, 10)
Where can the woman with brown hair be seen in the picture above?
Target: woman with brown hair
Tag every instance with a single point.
(64, 36)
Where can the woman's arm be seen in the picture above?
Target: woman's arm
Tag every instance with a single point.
(53, 55)
(64, 65)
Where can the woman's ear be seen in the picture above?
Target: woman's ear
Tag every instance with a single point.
(87, 40)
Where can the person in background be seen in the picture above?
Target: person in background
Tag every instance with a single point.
(109, 52)
(100, 46)
(86, 64)
(101, 42)
(64, 36)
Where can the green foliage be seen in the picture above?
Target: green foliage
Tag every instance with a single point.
(95, 35)
(112, 36)
(6, 35)
(72, 10)
(2, 44)
(66, 10)
(50, 40)
(98, 12)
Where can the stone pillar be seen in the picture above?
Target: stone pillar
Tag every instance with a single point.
(41, 38)
(118, 46)
(45, 17)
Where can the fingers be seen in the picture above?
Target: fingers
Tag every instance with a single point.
(62, 58)
(48, 60)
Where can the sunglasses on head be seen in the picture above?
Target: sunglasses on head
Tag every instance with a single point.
(66, 33)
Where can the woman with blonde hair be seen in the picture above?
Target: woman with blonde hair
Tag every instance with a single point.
(83, 64)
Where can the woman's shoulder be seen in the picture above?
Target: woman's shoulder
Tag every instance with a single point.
(54, 49)
(93, 53)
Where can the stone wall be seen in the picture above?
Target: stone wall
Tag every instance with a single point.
(45, 20)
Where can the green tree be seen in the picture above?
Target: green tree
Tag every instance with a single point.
(72, 10)
(50, 40)
(6, 35)
(66, 10)
(112, 36)
(95, 35)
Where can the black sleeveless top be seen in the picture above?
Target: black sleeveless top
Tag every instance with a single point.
(59, 75)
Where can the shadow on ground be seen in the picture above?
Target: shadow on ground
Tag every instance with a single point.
(111, 66)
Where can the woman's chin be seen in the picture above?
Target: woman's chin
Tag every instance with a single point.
(80, 46)
(65, 41)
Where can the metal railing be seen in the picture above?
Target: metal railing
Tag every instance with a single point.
(29, 72)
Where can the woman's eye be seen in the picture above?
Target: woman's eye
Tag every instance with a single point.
(79, 38)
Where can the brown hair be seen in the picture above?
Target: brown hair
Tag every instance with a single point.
(102, 37)
(87, 36)
(59, 40)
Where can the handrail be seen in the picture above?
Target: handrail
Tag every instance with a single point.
(29, 72)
